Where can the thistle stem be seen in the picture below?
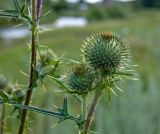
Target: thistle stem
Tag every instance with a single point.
(32, 70)
(84, 107)
(98, 93)
(83, 112)
(2, 119)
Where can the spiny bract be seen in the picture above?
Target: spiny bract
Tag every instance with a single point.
(106, 52)
(80, 79)
(46, 56)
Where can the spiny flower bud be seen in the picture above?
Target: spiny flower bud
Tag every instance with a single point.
(80, 79)
(106, 52)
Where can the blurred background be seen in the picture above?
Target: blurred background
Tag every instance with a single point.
(137, 110)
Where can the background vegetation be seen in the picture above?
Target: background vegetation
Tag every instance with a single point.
(136, 111)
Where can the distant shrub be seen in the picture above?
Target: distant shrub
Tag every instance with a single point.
(95, 13)
(101, 13)
(59, 5)
(116, 11)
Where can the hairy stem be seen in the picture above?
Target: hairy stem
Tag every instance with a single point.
(32, 69)
(92, 110)
(2, 119)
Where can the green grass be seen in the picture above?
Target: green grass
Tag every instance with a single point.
(135, 111)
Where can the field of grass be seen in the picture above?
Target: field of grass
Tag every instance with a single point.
(136, 111)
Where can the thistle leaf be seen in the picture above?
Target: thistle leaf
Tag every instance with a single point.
(112, 91)
(4, 96)
(108, 91)
(38, 110)
(70, 61)
(124, 74)
(46, 70)
(17, 6)
(65, 106)
(9, 13)
(22, 9)
(59, 82)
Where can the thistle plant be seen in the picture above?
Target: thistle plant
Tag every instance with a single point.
(108, 54)
(105, 61)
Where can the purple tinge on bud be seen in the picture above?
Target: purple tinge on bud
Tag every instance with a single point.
(38, 7)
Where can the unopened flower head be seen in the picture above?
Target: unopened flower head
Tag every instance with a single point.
(106, 52)
(80, 79)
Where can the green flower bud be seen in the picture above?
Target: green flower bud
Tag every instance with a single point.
(80, 79)
(106, 52)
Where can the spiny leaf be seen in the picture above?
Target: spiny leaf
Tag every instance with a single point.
(70, 61)
(61, 114)
(22, 9)
(9, 13)
(59, 82)
(124, 74)
(17, 6)
(4, 96)
(46, 70)
(63, 86)
(48, 12)
(108, 91)
(112, 91)
(42, 46)
(38, 110)
(65, 106)
(119, 88)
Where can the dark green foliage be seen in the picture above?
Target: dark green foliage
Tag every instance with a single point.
(117, 11)
(147, 3)
(95, 13)
(60, 5)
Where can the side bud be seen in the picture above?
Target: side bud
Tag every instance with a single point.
(80, 79)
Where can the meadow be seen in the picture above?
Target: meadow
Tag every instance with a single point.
(135, 111)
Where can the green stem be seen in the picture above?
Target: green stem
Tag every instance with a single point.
(2, 119)
(84, 107)
(83, 112)
(98, 93)
(32, 71)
